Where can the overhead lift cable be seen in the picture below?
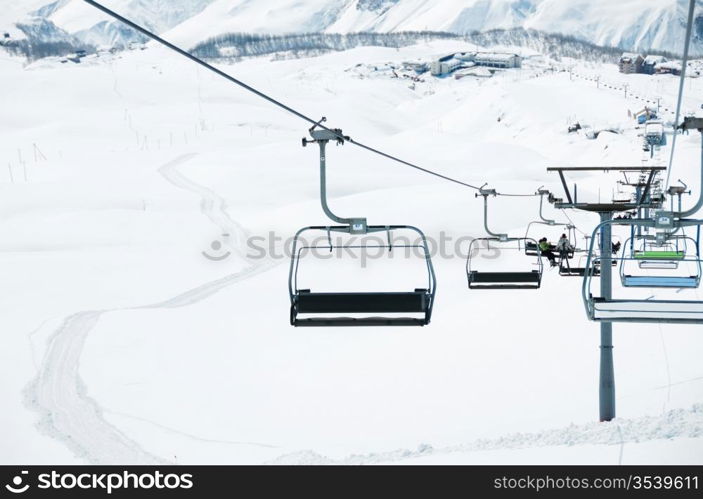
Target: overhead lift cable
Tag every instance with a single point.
(278, 103)
(684, 62)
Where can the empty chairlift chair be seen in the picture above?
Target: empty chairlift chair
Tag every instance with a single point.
(650, 310)
(664, 256)
(662, 265)
(514, 279)
(312, 307)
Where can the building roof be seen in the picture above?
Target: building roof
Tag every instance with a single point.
(654, 59)
(671, 65)
(495, 56)
(629, 56)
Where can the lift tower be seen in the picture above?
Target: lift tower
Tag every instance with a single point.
(644, 200)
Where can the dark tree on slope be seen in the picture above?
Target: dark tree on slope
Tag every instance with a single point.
(38, 50)
(237, 45)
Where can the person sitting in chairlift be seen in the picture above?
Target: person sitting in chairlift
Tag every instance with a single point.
(546, 250)
(564, 246)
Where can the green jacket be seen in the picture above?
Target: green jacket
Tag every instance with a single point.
(544, 246)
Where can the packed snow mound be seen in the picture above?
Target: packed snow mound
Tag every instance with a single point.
(674, 424)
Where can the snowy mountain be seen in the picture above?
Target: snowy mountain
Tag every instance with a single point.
(88, 25)
(630, 24)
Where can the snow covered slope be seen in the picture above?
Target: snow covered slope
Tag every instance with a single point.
(122, 343)
(632, 24)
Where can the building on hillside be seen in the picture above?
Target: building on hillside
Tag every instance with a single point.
(669, 67)
(650, 63)
(466, 56)
(496, 60)
(450, 63)
(444, 65)
(418, 67)
(630, 63)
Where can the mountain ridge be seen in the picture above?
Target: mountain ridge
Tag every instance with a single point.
(633, 25)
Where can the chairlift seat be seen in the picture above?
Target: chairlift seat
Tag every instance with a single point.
(307, 302)
(647, 311)
(660, 281)
(382, 302)
(659, 255)
(577, 271)
(412, 308)
(567, 270)
(651, 310)
(659, 264)
(504, 280)
(613, 262)
(531, 249)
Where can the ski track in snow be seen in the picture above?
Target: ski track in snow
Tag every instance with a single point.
(677, 423)
(68, 414)
(58, 393)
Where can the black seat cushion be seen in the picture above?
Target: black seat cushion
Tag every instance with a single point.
(392, 302)
(504, 277)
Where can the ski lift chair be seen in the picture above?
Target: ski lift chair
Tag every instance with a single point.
(522, 279)
(663, 256)
(532, 248)
(666, 261)
(609, 309)
(566, 269)
(312, 307)
(531, 245)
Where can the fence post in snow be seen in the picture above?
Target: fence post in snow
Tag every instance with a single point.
(38, 154)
